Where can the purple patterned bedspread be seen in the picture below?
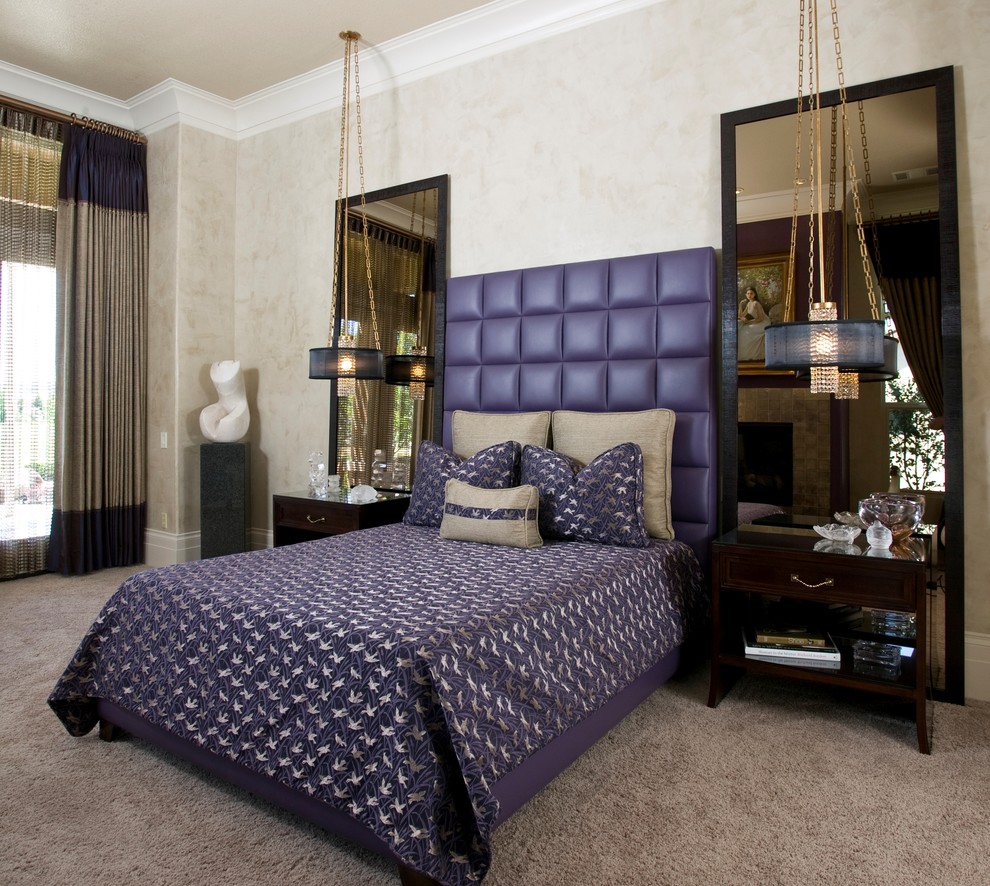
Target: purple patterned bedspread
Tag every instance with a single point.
(394, 674)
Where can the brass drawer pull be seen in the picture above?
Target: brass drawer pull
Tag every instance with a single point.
(822, 584)
(316, 519)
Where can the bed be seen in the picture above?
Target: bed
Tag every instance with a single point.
(750, 511)
(410, 688)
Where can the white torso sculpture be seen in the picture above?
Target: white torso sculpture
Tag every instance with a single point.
(227, 420)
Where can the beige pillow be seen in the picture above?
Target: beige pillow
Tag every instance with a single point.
(491, 516)
(585, 435)
(474, 431)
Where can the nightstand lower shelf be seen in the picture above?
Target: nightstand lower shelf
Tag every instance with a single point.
(902, 686)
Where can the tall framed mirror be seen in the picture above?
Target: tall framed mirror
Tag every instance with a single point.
(375, 435)
(841, 451)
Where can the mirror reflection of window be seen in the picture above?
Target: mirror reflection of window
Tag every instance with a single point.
(915, 448)
(378, 429)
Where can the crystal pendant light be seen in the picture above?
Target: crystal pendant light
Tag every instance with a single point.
(832, 351)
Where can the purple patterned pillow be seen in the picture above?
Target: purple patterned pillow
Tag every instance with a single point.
(600, 502)
(496, 467)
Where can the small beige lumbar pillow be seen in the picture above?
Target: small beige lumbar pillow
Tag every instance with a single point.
(473, 431)
(586, 435)
(491, 516)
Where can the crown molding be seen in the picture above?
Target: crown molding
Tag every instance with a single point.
(47, 92)
(470, 36)
(172, 101)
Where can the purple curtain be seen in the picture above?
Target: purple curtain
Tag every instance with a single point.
(101, 345)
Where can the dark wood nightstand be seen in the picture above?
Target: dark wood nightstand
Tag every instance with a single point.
(298, 516)
(754, 565)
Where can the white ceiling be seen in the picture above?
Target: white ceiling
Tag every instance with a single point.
(229, 48)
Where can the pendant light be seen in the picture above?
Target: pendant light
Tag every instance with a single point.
(834, 352)
(342, 359)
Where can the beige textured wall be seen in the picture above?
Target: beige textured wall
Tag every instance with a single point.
(163, 269)
(282, 307)
(598, 142)
(191, 316)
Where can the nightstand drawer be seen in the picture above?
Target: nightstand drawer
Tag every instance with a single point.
(862, 581)
(316, 516)
(297, 518)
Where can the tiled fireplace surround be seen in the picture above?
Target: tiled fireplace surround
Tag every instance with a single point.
(809, 415)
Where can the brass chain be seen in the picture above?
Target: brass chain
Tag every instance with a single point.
(340, 236)
(792, 255)
(814, 89)
(412, 232)
(831, 220)
(868, 183)
(364, 211)
(851, 160)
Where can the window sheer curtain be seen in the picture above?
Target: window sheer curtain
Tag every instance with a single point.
(30, 147)
(101, 353)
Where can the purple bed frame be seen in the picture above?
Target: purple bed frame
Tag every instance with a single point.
(615, 335)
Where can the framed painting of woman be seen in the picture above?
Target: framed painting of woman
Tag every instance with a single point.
(761, 290)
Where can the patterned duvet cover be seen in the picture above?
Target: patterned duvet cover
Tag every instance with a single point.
(391, 673)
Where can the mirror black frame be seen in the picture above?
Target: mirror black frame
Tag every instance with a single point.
(943, 82)
(442, 185)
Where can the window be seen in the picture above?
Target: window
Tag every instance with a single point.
(914, 448)
(27, 396)
(30, 151)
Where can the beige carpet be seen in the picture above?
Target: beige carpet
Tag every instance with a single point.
(780, 784)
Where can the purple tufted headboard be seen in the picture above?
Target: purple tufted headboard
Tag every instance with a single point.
(613, 335)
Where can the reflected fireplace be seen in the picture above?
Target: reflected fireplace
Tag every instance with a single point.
(766, 463)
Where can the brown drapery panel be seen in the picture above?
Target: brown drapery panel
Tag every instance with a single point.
(30, 146)
(102, 283)
(908, 266)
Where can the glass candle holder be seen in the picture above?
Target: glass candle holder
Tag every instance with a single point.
(876, 659)
(317, 474)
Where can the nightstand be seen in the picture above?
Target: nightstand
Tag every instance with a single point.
(298, 516)
(753, 566)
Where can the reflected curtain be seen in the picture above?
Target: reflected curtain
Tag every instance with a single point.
(101, 347)
(905, 254)
(378, 408)
(30, 146)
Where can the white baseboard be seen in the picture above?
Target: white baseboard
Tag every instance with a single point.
(261, 539)
(166, 549)
(977, 664)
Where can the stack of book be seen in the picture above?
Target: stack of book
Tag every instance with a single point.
(792, 646)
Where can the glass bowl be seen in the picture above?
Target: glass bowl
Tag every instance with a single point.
(900, 513)
(838, 532)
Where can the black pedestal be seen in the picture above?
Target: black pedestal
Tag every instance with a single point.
(223, 498)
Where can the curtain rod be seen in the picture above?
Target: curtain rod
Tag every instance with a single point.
(906, 217)
(86, 122)
(355, 219)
